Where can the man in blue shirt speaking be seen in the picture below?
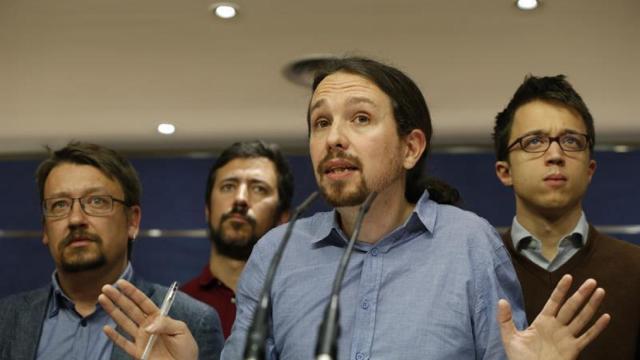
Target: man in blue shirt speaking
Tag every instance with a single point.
(425, 279)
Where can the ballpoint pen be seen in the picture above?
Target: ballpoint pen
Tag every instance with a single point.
(164, 310)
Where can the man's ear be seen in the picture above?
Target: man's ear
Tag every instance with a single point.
(284, 217)
(134, 217)
(415, 144)
(206, 214)
(592, 168)
(503, 172)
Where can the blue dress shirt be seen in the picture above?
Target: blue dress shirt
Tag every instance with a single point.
(66, 335)
(526, 244)
(427, 290)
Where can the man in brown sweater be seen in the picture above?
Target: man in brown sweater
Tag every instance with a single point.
(544, 142)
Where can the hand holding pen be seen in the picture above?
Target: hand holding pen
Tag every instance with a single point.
(164, 311)
(139, 317)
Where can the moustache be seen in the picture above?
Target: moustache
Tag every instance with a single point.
(79, 234)
(235, 213)
(337, 154)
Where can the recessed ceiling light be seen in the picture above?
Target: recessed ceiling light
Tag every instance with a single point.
(225, 10)
(303, 70)
(527, 4)
(166, 129)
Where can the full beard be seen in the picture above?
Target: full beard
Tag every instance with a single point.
(235, 248)
(74, 260)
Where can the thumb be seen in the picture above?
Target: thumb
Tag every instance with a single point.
(164, 325)
(505, 321)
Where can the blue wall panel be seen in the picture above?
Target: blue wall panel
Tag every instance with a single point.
(173, 199)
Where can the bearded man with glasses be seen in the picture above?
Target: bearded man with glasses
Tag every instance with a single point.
(91, 214)
(544, 142)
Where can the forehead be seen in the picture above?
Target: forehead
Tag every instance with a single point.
(248, 169)
(344, 86)
(547, 117)
(71, 179)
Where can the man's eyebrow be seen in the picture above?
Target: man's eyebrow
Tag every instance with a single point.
(542, 132)
(360, 99)
(317, 104)
(85, 192)
(351, 101)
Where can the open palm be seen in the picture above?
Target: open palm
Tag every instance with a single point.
(555, 332)
(138, 317)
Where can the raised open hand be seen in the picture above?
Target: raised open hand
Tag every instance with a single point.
(139, 317)
(555, 334)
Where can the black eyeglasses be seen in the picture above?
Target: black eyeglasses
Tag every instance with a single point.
(539, 143)
(95, 205)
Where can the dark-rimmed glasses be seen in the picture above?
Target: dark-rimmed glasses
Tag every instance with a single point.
(95, 205)
(539, 143)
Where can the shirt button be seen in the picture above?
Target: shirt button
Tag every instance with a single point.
(83, 322)
(365, 304)
(374, 251)
(359, 356)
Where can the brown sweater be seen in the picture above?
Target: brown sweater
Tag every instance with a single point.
(615, 265)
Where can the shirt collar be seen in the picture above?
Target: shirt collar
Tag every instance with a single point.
(206, 279)
(327, 226)
(519, 233)
(60, 300)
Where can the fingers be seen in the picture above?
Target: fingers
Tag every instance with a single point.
(122, 342)
(576, 301)
(594, 331)
(552, 306)
(131, 301)
(586, 314)
(123, 321)
(505, 321)
(138, 297)
(164, 325)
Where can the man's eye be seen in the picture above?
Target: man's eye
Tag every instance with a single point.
(259, 189)
(321, 123)
(570, 140)
(533, 141)
(361, 119)
(59, 204)
(96, 200)
(227, 187)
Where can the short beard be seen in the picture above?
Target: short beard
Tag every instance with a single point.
(336, 195)
(232, 249)
(81, 263)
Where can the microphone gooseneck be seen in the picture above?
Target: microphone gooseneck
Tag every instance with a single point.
(259, 329)
(329, 331)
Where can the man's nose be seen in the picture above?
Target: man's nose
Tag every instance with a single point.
(337, 138)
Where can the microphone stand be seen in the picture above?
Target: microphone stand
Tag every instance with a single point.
(258, 331)
(327, 346)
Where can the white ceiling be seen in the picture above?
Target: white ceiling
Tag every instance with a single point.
(110, 70)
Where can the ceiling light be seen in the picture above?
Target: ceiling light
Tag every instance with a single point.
(527, 4)
(225, 10)
(303, 70)
(166, 129)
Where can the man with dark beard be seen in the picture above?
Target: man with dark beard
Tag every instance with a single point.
(91, 214)
(249, 190)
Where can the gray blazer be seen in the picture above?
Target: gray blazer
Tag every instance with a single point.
(22, 316)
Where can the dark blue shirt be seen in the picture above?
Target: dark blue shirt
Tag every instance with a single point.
(66, 335)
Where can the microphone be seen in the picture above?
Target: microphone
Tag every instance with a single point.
(258, 331)
(327, 345)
